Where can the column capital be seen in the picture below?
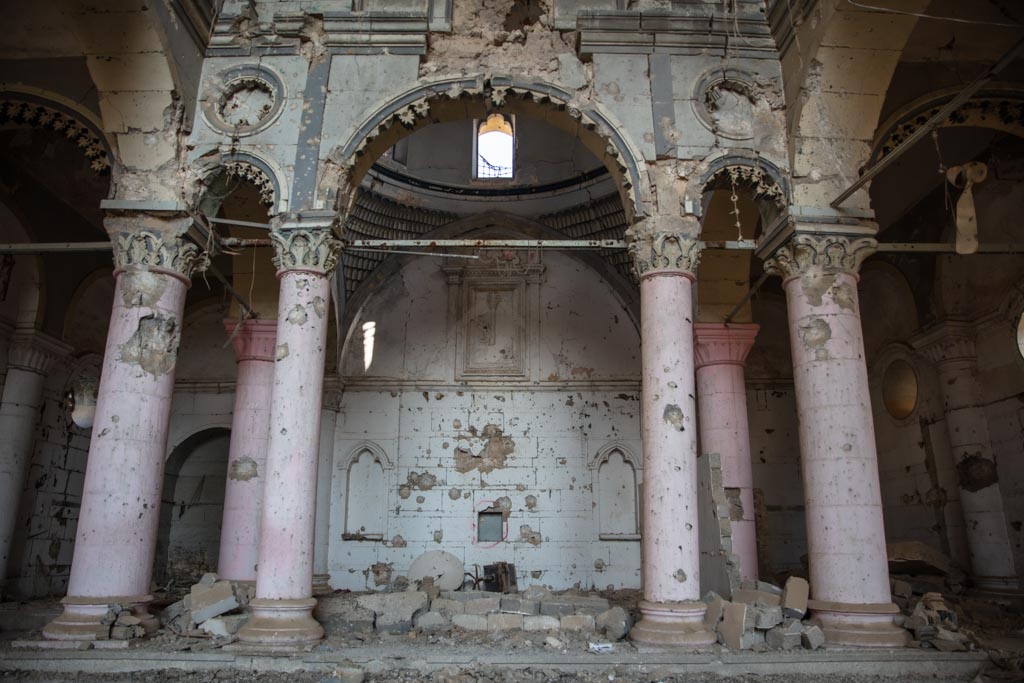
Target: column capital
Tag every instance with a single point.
(720, 344)
(946, 342)
(664, 245)
(305, 242)
(150, 236)
(254, 340)
(35, 351)
(816, 246)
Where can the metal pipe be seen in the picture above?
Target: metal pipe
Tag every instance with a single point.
(750, 292)
(932, 123)
(944, 248)
(242, 242)
(244, 224)
(490, 244)
(53, 247)
(414, 253)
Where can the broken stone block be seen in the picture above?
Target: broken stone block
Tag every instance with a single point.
(757, 598)
(208, 579)
(394, 611)
(915, 557)
(794, 597)
(553, 642)
(432, 621)
(716, 607)
(554, 607)
(780, 638)
(501, 621)
(470, 622)
(587, 604)
(536, 593)
(767, 617)
(615, 623)
(901, 589)
(126, 632)
(127, 619)
(224, 626)
(762, 586)
(812, 637)
(948, 645)
(733, 625)
(448, 607)
(211, 601)
(466, 596)
(577, 622)
(343, 614)
(172, 612)
(517, 605)
(482, 606)
(541, 623)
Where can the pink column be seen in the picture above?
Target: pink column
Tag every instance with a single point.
(664, 258)
(117, 527)
(722, 399)
(950, 346)
(282, 610)
(247, 454)
(29, 358)
(845, 533)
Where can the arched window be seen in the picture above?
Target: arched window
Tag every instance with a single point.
(365, 498)
(495, 147)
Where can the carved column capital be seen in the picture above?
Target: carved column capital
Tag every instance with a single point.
(314, 250)
(719, 344)
(819, 254)
(947, 342)
(664, 245)
(35, 352)
(149, 250)
(253, 340)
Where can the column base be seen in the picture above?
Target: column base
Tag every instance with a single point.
(281, 622)
(82, 617)
(858, 625)
(672, 623)
(997, 586)
(322, 584)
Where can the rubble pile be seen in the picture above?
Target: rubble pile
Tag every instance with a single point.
(934, 623)
(763, 616)
(212, 609)
(120, 624)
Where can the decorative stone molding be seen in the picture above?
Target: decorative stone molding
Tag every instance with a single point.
(253, 174)
(947, 342)
(35, 352)
(146, 250)
(243, 100)
(663, 246)
(253, 339)
(719, 344)
(762, 184)
(819, 254)
(17, 111)
(314, 250)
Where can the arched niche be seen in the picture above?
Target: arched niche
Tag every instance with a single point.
(364, 490)
(617, 475)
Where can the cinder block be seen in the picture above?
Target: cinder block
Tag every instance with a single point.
(447, 606)
(470, 622)
(518, 605)
(504, 622)
(577, 622)
(541, 623)
(482, 606)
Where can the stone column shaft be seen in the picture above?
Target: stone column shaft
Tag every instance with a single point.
(950, 347)
(29, 358)
(282, 610)
(117, 527)
(254, 346)
(724, 429)
(664, 259)
(843, 502)
(328, 422)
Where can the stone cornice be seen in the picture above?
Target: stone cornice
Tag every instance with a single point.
(254, 340)
(719, 344)
(664, 245)
(150, 250)
(819, 254)
(947, 342)
(35, 351)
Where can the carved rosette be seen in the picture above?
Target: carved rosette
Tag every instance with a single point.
(820, 255)
(145, 250)
(664, 252)
(315, 251)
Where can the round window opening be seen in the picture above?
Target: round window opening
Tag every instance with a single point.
(899, 389)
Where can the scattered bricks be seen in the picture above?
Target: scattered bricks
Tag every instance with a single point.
(730, 631)
(483, 606)
(470, 622)
(126, 632)
(466, 596)
(224, 626)
(504, 622)
(946, 634)
(208, 580)
(917, 619)
(615, 623)
(779, 638)
(757, 598)
(448, 607)
(536, 593)
(577, 622)
(762, 586)
(794, 597)
(432, 621)
(901, 589)
(716, 608)
(394, 611)
(753, 640)
(586, 604)
(541, 623)
(172, 612)
(767, 617)
(926, 633)
(342, 614)
(515, 605)
(812, 637)
(127, 619)
(211, 601)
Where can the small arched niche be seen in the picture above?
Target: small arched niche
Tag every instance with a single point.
(365, 494)
(617, 494)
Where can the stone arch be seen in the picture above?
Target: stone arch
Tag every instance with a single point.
(885, 290)
(34, 108)
(378, 453)
(22, 278)
(765, 181)
(260, 171)
(1000, 107)
(606, 451)
(365, 492)
(460, 98)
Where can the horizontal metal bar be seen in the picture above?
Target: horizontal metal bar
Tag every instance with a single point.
(414, 253)
(244, 224)
(242, 242)
(948, 248)
(52, 247)
(490, 244)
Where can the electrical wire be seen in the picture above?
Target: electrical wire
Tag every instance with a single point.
(921, 15)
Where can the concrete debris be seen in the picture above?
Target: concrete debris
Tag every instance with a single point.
(394, 612)
(210, 609)
(756, 618)
(615, 623)
(812, 638)
(794, 597)
(209, 601)
(934, 623)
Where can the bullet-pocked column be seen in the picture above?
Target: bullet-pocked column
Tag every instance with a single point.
(117, 527)
(664, 258)
(843, 504)
(254, 343)
(722, 407)
(282, 610)
(950, 347)
(29, 358)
